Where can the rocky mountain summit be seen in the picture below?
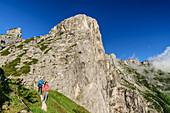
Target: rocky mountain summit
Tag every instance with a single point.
(12, 36)
(72, 59)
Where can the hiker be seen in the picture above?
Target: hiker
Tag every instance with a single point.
(45, 89)
(40, 85)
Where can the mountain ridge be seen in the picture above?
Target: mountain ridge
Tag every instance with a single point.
(72, 58)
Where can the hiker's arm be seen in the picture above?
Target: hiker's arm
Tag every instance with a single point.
(48, 87)
(38, 82)
(42, 82)
(43, 88)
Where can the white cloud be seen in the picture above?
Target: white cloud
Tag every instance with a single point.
(162, 61)
(133, 57)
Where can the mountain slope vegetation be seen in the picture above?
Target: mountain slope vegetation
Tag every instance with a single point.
(153, 84)
(15, 98)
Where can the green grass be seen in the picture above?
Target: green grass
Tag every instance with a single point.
(6, 51)
(47, 50)
(20, 46)
(68, 48)
(159, 101)
(130, 70)
(16, 104)
(43, 47)
(13, 28)
(160, 72)
(18, 91)
(59, 38)
(61, 33)
(29, 58)
(10, 68)
(9, 34)
(58, 103)
(145, 71)
(154, 105)
(48, 38)
(24, 69)
(42, 40)
(73, 45)
(36, 109)
(22, 54)
(34, 61)
(128, 84)
(37, 36)
(28, 40)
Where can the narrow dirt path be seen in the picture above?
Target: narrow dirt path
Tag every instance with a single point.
(44, 106)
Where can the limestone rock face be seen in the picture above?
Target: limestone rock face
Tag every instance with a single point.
(12, 36)
(146, 63)
(73, 61)
(132, 61)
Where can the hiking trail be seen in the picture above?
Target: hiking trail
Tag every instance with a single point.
(44, 106)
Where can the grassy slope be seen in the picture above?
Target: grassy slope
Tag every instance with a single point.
(63, 104)
(11, 91)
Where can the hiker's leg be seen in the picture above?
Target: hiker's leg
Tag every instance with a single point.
(41, 90)
(45, 97)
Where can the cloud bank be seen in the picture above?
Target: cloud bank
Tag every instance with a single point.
(162, 61)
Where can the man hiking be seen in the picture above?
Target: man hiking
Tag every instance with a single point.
(45, 89)
(40, 85)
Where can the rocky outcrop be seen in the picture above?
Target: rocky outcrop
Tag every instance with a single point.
(131, 61)
(12, 36)
(72, 59)
(146, 63)
(122, 98)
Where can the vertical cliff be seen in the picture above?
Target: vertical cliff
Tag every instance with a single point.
(72, 59)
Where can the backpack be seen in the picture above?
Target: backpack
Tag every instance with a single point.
(39, 85)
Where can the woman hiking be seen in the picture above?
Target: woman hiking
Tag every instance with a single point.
(45, 90)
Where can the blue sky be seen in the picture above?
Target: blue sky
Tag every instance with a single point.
(139, 27)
